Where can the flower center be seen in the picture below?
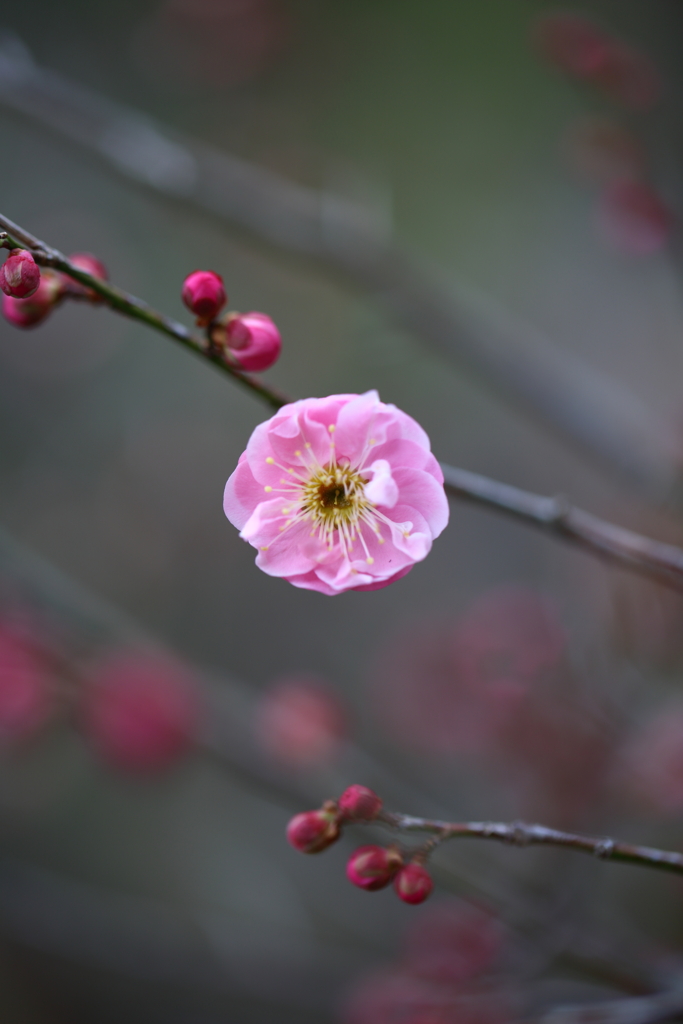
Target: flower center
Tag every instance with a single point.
(332, 499)
(334, 495)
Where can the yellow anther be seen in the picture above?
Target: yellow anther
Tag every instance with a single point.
(270, 460)
(370, 560)
(267, 488)
(332, 428)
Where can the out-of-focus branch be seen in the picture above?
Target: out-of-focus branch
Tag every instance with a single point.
(602, 417)
(652, 1009)
(519, 833)
(663, 562)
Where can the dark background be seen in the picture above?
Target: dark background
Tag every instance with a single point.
(176, 898)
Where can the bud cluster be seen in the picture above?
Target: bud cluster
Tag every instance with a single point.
(30, 295)
(251, 341)
(369, 867)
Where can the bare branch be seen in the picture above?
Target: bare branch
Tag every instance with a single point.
(519, 833)
(660, 561)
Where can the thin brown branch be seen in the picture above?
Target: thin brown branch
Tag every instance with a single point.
(519, 833)
(659, 561)
(13, 236)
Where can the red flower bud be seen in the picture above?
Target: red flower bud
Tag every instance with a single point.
(31, 311)
(204, 295)
(254, 340)
(85, 261)
(314, 831)
(358, 803)
(413, 883)
(19, 274)
(373, 867)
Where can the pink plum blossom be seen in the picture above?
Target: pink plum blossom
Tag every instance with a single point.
(651, 765)
(572, 43)
(26, 697)
(140, 711)
(392, 996)
(453, 943)
(338, 493)
(300, 721)
(457, 685)
(632, 218)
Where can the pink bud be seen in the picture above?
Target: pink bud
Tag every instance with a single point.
(30, 311)
(19, 274)
(314, 831)
(413, 883)
(204, 295)
(139, 712)
(300, 721)
(372, 867)
(254, 340)
(25, 697)
(358, 803)
(91, 265)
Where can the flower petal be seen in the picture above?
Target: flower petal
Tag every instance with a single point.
(381, 488)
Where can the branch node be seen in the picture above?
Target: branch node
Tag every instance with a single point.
(604, 848)
(519, 834)
(561, 509)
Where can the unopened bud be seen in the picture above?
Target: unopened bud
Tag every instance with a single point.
(204, 295)
(253, 339)
(413, 883)
(358, 803)
(19, 274)
(373, 867)
(31, 311)
(314, 831)
(91, 265)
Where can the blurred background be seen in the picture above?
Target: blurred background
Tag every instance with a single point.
(474, 208)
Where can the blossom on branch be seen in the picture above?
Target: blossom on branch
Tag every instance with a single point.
(338, 493)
